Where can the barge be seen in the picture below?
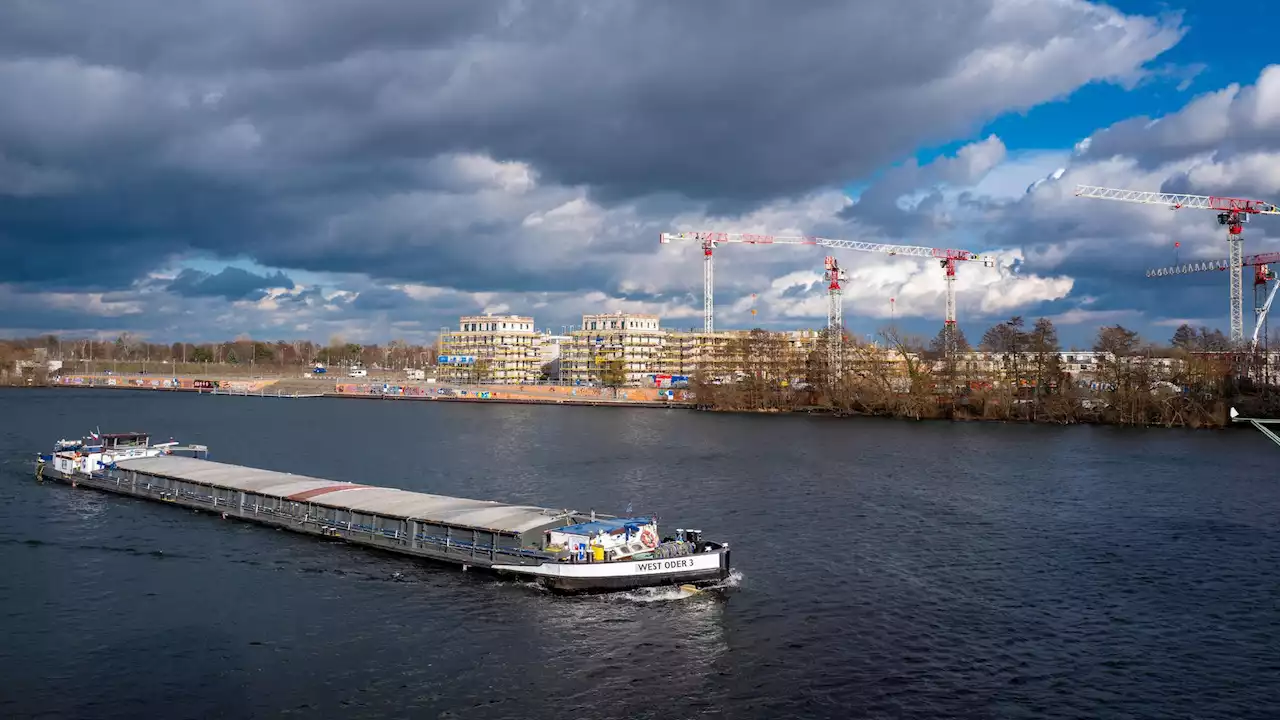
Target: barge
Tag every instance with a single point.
(560, 549)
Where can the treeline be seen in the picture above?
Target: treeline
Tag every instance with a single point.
(1018, 372)
(131, 350)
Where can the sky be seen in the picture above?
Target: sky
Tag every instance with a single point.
(312, 169)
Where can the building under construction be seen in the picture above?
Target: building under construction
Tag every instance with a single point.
(500, 349)
(626, 344)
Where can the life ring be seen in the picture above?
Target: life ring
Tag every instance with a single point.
(648, 539)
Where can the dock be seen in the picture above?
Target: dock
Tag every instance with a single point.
(471, 533)
(1259, 423)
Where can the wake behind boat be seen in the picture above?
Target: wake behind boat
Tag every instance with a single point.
(563, 550)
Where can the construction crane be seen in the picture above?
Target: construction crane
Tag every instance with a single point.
(710, 240)
(1232, 212)
(1262, 274)
(835, 313)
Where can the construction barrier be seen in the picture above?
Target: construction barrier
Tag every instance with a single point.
(545, 393)
(165, 383)
(519, 392)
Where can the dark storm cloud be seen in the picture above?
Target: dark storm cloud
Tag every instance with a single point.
(125, 225)
(231, 283)
(146, 128)
(213, 36)
(382, 299)
(615, 96)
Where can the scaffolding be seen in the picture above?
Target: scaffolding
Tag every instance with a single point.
(501, 350)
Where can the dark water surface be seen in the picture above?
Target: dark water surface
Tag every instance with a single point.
(887, 569)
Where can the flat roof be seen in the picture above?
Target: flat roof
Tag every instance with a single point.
(605, 525)
(388, 502)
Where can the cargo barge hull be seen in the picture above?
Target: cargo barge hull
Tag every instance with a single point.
(383, 519)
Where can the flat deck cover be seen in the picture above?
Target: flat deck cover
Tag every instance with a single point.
(388, 502)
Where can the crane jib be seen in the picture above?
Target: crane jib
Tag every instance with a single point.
(1178, 201)
(711, 239)
(1208, 265)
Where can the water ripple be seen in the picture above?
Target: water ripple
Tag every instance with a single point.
(884, 569)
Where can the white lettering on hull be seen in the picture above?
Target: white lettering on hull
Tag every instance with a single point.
(661, 565)
(701, 562)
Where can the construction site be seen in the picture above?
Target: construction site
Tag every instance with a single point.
(627, 349)
(1232, 214)
(1013, 371)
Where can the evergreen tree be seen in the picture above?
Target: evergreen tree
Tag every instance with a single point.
(1043, 341)
(1117, 340)
(1199, 340)
(1005, 337)
(938, 344)
(1008, 339)
(1212, 340)
(1184, 338)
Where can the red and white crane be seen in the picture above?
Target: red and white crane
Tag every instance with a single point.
(710, 240)
(835, 312)
(1232, 212)
(1262, 274)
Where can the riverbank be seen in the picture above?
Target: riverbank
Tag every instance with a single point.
(1169, 412)
(970, 418)
(1058, 409)
(297, 388)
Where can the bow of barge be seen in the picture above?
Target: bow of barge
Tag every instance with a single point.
(561, 549)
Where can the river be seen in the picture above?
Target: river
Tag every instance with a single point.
(882, 569)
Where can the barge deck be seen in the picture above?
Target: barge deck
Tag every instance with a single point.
(532, 543)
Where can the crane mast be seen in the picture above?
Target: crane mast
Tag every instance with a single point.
(708, 282)
(835, 316)
(1232, 213)
(949, 323)
(710, 240)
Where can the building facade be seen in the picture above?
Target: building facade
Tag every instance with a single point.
(614, 348)
(551, 346)
(633, 349)
(503, 349)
